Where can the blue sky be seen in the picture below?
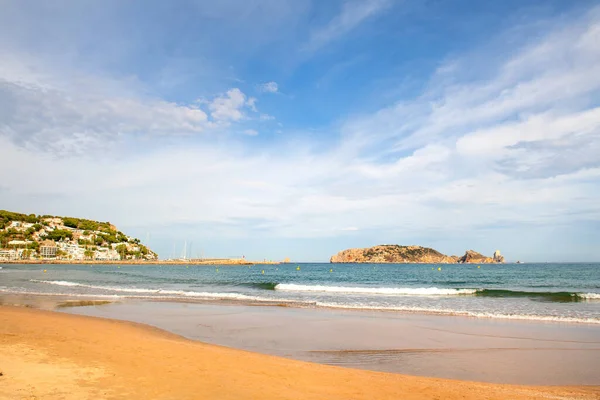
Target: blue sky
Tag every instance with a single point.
(299, 128)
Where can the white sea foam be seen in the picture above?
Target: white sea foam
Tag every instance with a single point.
(430, 291)
(441, 311)
(108, 288)
(59, 283)
(594, 296)
(164, 293)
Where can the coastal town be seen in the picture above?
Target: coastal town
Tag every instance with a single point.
(38, 238)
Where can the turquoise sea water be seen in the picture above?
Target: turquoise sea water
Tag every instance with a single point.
(554, 292)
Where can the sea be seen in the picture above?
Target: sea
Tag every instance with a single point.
(567, 292)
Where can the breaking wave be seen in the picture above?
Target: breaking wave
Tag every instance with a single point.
(158, 292)
(432, 291)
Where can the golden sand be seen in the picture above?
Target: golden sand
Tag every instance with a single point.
(49, 355)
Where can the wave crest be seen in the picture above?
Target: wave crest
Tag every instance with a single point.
(430, 291)
(594, 296)
(164, 293)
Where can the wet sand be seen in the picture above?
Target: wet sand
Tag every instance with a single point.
(53, 355)
(518, 352)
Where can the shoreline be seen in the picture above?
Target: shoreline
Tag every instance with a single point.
(55, 355)
(295, 305)
(242, 301)
(140, 262)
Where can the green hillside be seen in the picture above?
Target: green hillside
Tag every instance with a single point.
(22, 235)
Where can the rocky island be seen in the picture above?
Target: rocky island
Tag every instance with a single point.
(410, 254)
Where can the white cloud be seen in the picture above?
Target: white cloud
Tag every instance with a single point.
(251, 103)
(230, 106)
(251, 132)
(498, 140)
(353, 13)
(269, 87)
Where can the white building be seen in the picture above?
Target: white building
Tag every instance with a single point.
(48, 249)
(105, 254)
(20, 225)
(74, 251)
(8, 254)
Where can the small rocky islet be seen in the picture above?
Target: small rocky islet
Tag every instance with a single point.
(393, 253)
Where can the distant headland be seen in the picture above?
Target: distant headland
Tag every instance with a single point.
(49, 239)
(393, 253)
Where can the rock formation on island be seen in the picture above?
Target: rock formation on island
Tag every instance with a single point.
(498, 258)
(473, 257)
(410, 254)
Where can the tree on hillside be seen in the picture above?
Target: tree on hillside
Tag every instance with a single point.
(70, 222)
(4, 238)
(122, 250)
(88, 225)
(59, 234)
(88, 253)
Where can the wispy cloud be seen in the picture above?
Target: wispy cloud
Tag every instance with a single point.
(352, 14)
(269, 87)
(535, 87)
(230, 106)
(43, 113)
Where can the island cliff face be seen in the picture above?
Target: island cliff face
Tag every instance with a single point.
(409, 254)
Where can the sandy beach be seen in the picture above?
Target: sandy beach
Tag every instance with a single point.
(49, 355)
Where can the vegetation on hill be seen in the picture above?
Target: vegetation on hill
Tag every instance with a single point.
(396, 252)
(87, 224)
(8, 216)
